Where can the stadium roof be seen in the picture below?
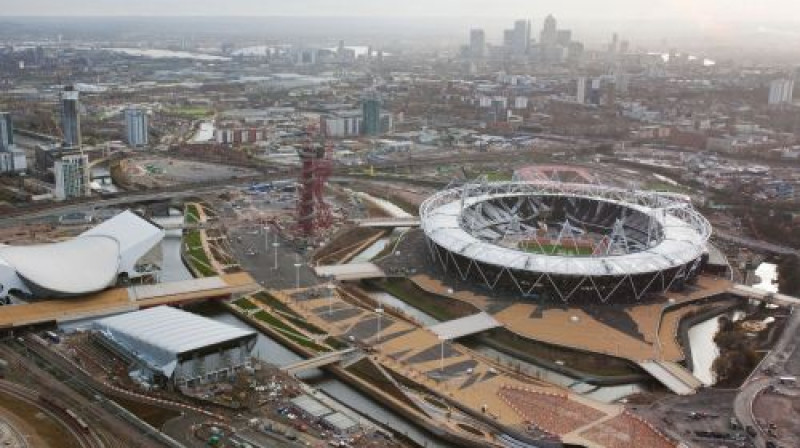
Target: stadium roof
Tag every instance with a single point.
(682, 241)
(158, 335)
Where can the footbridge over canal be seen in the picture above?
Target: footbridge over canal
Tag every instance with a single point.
(346, 357)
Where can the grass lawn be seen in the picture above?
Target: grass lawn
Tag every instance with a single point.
(555, 249)
(440, 307)
(196, 255)
(190, 111)
(244, 304)
(191, 214)
(288, 331)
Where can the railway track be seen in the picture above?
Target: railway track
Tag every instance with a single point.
(79, 430)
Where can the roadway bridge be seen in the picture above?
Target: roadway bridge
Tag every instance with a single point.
(347, 356)
(190, 225)
(351, 271)
(674, 377)
(387, 223)
(120, 300)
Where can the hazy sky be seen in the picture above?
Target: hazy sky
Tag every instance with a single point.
(699, 12)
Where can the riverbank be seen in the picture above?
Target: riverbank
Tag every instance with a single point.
(376, 393)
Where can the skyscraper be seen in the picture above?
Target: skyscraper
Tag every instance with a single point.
(549, 33)
(72, 176)
(12, 159)
(371, 107)
(136, 126)
(781, 91)
(520, 37)
(563, 37)
(6, 131)
(580, 93)
(477, 43)
(70, 117)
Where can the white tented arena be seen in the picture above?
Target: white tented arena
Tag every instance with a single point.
(123, 246)
(565, 241)
(168, 345)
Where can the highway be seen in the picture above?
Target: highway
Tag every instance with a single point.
(787, 346)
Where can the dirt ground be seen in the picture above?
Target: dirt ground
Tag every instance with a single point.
(784, 412)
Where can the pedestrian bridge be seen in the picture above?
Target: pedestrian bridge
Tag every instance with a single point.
(465, 326)
(387, 223)
(346, 356)
(351, 271)
(674, 377)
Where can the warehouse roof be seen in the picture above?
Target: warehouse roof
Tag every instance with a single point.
(158, 335)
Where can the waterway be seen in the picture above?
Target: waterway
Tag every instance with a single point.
(704, 349)
(269, 350)
(172, 267)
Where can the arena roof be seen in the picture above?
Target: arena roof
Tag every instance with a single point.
(682, 243)
(70, 267)
(158, 335)
(87, 263)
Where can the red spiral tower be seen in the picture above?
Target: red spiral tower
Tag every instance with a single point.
(316, 165)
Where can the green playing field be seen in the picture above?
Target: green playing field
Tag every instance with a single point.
(555, 249)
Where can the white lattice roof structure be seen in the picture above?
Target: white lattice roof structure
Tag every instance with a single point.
(463, 226)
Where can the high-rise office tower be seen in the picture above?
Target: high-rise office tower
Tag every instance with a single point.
(72, 176)
(136, 126)
(781, 91)
(520, 37)
(612, 47)
(563, 37)
(12, 159)
(6, 131)
(549, 33)
(477, 43)
(624, 46)
(371, 107)
(70, 117)
(580, 93)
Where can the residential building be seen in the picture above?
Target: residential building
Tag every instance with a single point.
(70, 117)
(136, 126)
(72, 176)
(781, 91)
(477, 43)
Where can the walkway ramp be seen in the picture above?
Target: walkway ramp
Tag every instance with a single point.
(387, 223)
(323, 360)
(674, 377)
(352, 271)
(465, 326)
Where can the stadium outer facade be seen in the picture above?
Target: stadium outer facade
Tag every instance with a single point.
(651, 242)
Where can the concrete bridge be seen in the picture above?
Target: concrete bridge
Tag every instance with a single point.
(347, 356)
(387, 223)
(190, 226)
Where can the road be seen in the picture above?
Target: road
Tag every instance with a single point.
(257, 257)
(786, 348)
(756, 244)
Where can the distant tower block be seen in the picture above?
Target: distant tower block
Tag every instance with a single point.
(313, 213)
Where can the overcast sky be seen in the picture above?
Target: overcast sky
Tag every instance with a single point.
(699, 12)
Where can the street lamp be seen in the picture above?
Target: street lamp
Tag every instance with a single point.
(331, 289)
(266, 239)
(297, 265)
(379, 310)
(275, 246)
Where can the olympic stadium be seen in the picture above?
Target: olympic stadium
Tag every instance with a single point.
(576, 243)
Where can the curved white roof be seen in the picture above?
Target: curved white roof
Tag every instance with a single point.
(76, 266)
(86, 264)
(683, 240)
